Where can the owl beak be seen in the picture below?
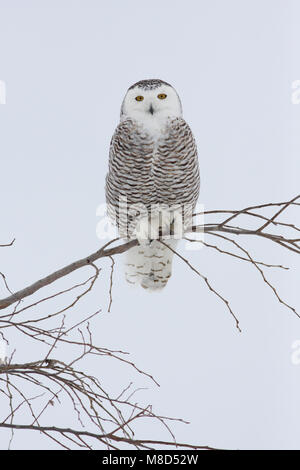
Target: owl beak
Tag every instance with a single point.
(151, 110)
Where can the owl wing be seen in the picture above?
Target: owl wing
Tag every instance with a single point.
(176, 168)
(129, 181)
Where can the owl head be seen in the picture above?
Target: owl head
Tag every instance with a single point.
(150, 100)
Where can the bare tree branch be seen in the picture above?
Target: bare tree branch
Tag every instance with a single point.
(138, 442)
(87, 261)
(8, 244)
(30, 389)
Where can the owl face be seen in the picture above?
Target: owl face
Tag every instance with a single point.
(150, 100)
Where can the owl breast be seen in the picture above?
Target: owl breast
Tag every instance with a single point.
(150, 166)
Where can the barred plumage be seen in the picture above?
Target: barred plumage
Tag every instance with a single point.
(153, 166)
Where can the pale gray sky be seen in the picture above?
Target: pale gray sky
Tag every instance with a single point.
(67, 65)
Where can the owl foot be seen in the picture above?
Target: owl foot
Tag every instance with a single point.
(142, 231)
(170, 225)
(164, 225)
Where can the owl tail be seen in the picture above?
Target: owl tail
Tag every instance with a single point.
(150, 265)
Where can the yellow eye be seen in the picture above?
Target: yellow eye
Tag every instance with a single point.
(139, 98)
(161, 96)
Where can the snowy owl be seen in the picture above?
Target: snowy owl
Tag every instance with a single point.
(153, 182)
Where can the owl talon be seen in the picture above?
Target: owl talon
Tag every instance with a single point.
(178, 229)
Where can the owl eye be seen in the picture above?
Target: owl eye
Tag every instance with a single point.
(162, 96)
(139, 98)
